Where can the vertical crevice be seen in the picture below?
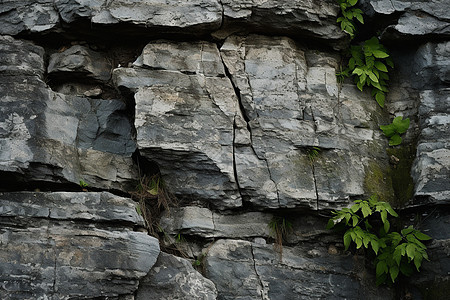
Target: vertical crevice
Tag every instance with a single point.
(315, 185)
(263, 294)
(236, 178)
(244, 114)
(223, 14)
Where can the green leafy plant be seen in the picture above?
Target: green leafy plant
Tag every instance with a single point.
(369, 64)
(83, 184)
(313, 153)
(395, 252)
(395, 129)
(279, 229)
(348, 15)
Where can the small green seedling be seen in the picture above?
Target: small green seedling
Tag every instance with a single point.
(313, 153)
(395, 129)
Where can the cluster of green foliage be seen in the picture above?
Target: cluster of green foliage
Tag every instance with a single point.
(368, 61)
(369, 64)
(349, 13)
(395, 252)
(395, 129)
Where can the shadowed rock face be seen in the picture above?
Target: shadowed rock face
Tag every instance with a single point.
(195, 17)
(53, 137)
(64, 245)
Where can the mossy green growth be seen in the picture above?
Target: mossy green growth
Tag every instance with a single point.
(378, 181)
(402, 182)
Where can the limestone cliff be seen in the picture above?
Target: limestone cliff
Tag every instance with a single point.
(236, 105)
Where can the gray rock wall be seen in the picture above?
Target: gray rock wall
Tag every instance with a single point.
(227, 100)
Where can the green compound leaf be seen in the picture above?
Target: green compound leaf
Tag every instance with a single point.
(386, 226)
(389, 130)
(380, 66)
(330, 224)
(418, 261)
(395, 140)
(410, 250)
(381, 267)
(421, 236)
(380, 54)
(401, 126)
(393, 271)
(375, 245)
(347, 239)
(397, 255)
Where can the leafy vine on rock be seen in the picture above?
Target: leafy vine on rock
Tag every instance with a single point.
(395, 252)
(369, 61)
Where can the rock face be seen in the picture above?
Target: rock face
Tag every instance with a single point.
(236, 105)
(65, 245)
(254, 145)
(50, 137)
(432, 168)
(263, 275)
(196, 17)
(174, 278)
(417, 19)
(79, 59)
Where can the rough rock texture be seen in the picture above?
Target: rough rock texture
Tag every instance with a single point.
(432, 165)
(79, 59)
(254, 145)
(195, 17)
(65, 245)
(263, 275)
(292, 102)
(201, 221)
(185, 112)
(51, 137)
(293, 18)
(174, 278)
(237, 106)
(417, 18)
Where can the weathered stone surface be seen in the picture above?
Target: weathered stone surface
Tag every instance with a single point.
(432, 66)
(292, 102)
(46, 136)
(285, 17)
(431, 170)
(80, 60)
(202, 222)
(418, 18)
(201, 16)
(185, 122)
(263, 275)
(33, 16)
(195, 17)
(174, 278)
(65, 245)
